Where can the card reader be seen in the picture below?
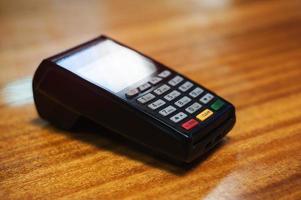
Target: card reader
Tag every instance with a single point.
(133, 95)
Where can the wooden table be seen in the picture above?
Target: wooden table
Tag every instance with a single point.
(247, 51)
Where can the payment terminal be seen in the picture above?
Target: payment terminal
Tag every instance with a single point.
(133, 95)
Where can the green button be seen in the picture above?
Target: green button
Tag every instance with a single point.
(217, 104)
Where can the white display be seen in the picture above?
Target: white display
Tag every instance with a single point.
(109, 65)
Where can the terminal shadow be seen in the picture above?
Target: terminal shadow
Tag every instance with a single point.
(91, 133)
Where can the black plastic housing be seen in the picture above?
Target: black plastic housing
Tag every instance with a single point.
(63, 97)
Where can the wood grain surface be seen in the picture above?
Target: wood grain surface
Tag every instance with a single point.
(247, 51)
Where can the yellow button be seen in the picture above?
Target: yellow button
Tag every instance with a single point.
(204, 115)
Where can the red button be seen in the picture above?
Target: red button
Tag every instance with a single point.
(190, 124)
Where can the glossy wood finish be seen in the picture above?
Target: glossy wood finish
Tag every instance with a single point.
(247, 51)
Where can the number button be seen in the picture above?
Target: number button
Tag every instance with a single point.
(196, 92)
(146, 98)
(155, 80)
(162, 89)
(166, 111)
(193, 108)
(178, 117)
(183, 101)
(175, 81)
(172, 95)
(164, 74)
(206, 98)
(144, 87)
(156, 104)
(186, 86)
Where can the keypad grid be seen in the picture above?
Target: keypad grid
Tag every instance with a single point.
(177, 100)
